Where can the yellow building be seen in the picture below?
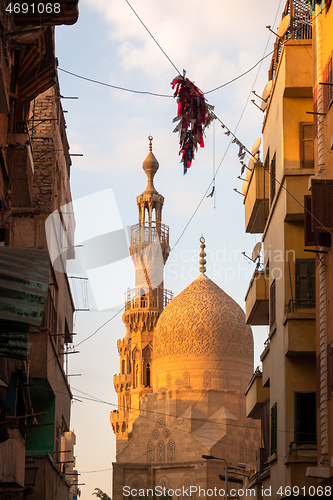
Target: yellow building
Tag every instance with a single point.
(191, 401)
(282, 293)
(320, 230)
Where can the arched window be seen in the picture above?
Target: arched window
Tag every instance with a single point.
(128, 365)
(123, 367)
(142, 298)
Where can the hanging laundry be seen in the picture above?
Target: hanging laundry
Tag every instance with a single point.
(194, 115)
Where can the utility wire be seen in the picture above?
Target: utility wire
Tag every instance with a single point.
(146, 92)
(143, 24)
(113, 86)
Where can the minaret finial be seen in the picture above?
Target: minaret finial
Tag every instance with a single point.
(202, 254)
(150, 138)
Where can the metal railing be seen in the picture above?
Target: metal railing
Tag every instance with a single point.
(157, 299)
(149, 232)
(300, 28)
(296, 304)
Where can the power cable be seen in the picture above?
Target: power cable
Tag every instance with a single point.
(143, 24)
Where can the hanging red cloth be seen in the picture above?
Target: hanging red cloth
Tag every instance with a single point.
(194, 115)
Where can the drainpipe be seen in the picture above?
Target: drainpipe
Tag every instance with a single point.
(321, 174)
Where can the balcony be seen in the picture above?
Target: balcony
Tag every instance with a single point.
(147, 233)
(256, 200)
(20, 169)
(157, 299)
(300, 330)
(257, 299)
(256, 394)
(122, 379)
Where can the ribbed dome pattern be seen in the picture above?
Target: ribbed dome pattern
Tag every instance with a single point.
(203, 320)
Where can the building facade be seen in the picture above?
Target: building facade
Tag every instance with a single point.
(36, 307)
(320, 227)
(284, 293)
(188, 369)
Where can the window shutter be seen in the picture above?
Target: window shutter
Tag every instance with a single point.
(309, 235)
(274, 429)
(272, 172)
(306, 145)
(305, 281)
(322, 205)
(272, 304)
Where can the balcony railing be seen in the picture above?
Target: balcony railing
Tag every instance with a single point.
(157, 299)
(147, 233)
(300, 28)
(296, 304)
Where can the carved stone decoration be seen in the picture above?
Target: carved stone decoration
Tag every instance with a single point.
(160, 451)
(150, 456)
(171, 450)
(207, 378)
(203, 320)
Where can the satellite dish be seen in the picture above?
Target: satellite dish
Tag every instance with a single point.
(283, 26)
(256, 146)
(256, 251)
(267, 90)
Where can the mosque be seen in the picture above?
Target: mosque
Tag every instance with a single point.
(185, 364)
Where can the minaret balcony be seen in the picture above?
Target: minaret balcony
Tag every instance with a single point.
(158, 299)
(149, 232)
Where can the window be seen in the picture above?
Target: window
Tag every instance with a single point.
(306, 143)
(305, 276)
(330, 83)
(274, 429)
(272, 172)
(305, 417)
(122, 366)
(322, 204)
(148, 375)
(330, 370)
(272, 304)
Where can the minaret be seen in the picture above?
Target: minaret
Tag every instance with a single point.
(149, 251)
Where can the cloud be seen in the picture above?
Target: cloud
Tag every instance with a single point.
(180, 27)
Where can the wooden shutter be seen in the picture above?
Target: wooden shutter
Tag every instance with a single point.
(309, 235)
(322, 204)
(272, 304)
(272, 172)
(305, 277)
(274, 429)
(306, 141)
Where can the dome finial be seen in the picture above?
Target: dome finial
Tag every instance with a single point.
(150, 138)
(202, 254)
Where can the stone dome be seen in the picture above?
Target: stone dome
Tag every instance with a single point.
(203, 321)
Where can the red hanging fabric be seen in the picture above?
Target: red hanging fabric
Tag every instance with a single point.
(194, 115)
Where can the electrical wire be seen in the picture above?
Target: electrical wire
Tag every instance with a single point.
(143, 24)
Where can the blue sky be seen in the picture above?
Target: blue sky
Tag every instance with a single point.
(214, 42)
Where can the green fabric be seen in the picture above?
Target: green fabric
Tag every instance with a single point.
(313, 5)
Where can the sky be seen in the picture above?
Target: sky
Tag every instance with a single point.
(214, 44)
